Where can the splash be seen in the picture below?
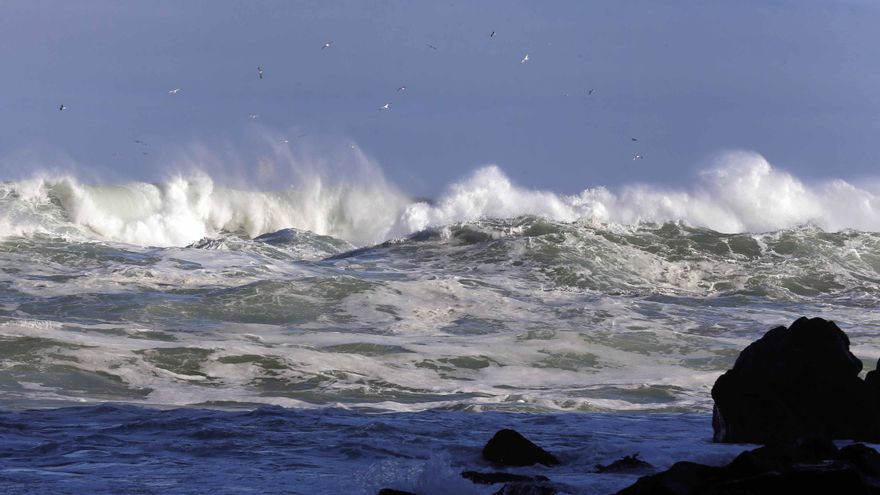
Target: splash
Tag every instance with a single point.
(742, 192)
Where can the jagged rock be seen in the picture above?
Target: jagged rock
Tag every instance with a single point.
(804, 466)
(510, 448)
(629, 463)
(792, 382)
(493, 478)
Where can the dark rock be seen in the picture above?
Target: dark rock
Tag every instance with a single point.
(492, 478)
(683, 478)
(863, 457)
(527, 489)
(793, 382)
(843, 481)
(627, 463)
(804, 466)
(392, 491)
(510, 448)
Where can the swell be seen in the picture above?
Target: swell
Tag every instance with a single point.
(741, 193)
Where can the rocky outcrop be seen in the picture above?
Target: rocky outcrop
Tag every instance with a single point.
(804, 466)
(626, 464)
(509, 448)
(796, 381)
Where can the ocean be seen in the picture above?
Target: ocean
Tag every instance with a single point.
(338, 336)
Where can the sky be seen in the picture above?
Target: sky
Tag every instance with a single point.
(797, 81)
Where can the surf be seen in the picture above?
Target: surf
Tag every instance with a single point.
(740, 193)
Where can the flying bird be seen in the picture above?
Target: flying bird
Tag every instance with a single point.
(327, 45)
(385, 106)
(634, 139)
(492, 34)
(524, 59)
(401, 89)
(253, 116)
(432, 47)
(260, 72)
(174, 91)
(62, 108)
(637, 157)
(590, 92)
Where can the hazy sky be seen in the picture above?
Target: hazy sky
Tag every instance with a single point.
(798, 81)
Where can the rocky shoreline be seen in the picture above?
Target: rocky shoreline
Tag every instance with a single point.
(795, 391)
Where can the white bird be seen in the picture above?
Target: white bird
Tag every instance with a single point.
(253, 116)
(524, 59)
(62, 108)
(327, 45)
(385, 106)
(637, 157)
(174, 91)
(401, 89)
(260, 72)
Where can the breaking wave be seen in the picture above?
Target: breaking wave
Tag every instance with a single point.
(742, 192)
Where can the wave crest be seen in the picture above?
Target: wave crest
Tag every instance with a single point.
(742, 192)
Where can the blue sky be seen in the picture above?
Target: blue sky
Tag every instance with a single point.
(798, 81)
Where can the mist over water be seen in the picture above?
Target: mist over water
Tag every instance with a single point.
(741, 192)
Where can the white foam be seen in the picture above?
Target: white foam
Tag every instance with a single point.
(742, 192)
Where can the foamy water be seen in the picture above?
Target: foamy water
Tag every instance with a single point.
(347, 294)
(742, 193)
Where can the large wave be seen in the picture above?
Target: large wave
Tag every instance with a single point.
(741, 193)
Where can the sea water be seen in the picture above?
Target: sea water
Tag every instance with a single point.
(189, 337)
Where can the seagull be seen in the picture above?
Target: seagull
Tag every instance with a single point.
(432, 47)
(174, 91)
(492, 34)
(61, 108)
(385, 106)
(260, 72)
(524, 59)
(637, 157)
(401, 89)
(327, 45)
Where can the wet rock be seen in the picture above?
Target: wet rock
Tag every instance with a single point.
(804, 466)
(493, 478)
(626, 464)
(510, 448)
(792, 382)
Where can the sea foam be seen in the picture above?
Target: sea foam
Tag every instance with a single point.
(741, 192)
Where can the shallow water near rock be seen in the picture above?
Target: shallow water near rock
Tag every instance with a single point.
(123, 448)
